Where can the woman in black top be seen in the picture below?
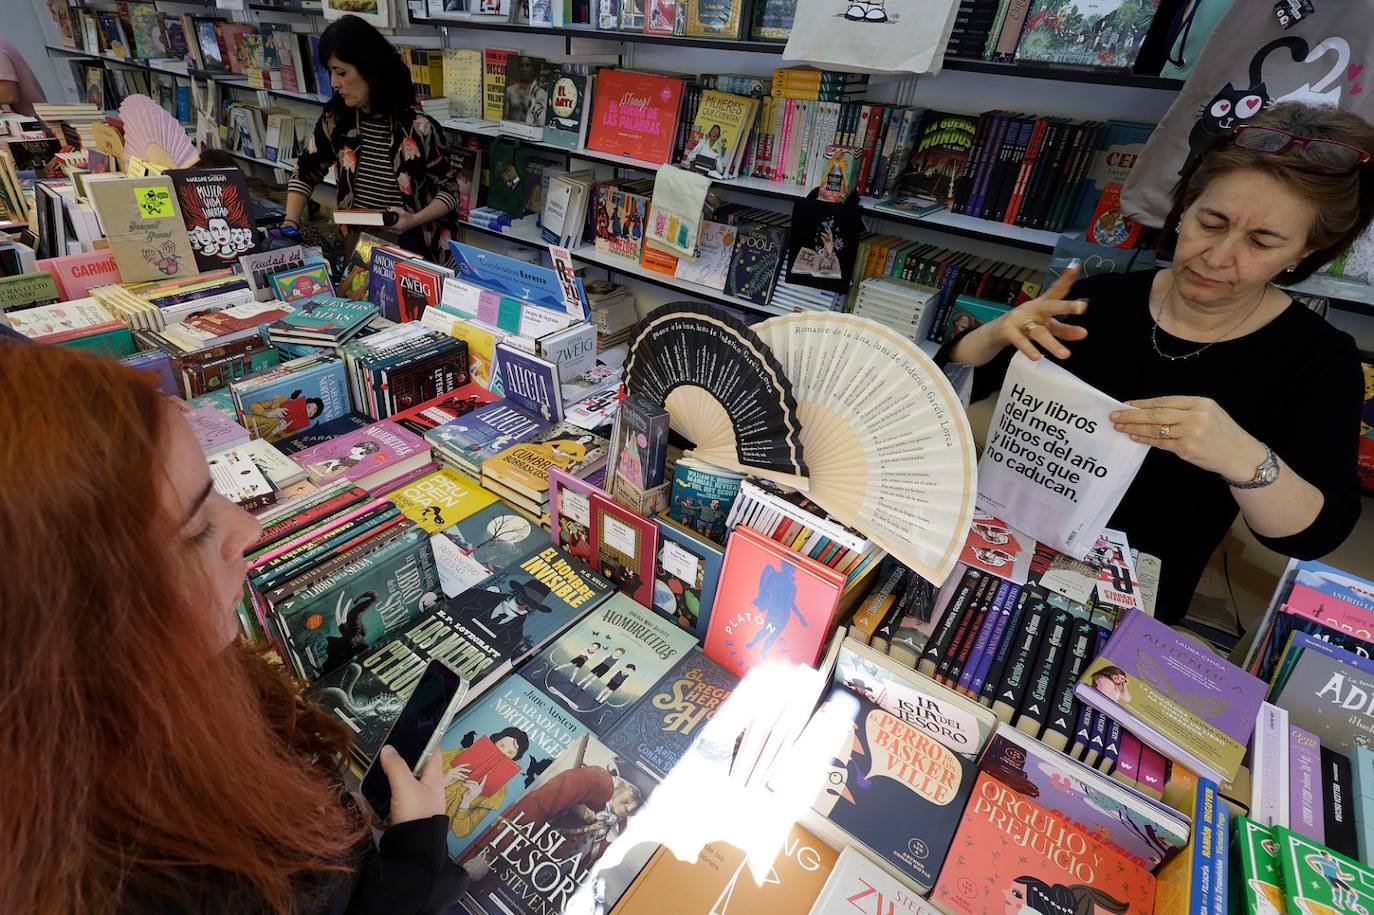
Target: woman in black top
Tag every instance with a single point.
(1250, 401)
(386, 152)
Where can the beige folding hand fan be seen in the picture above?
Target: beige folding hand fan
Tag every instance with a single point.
(723, 389)
(886, 439)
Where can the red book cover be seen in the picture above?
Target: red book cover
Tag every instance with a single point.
(625, 545)
(772, 604)
(1012, 855)
(75, 274)
(635, 115)
(458, 402)
(417, 287)
(486, 765)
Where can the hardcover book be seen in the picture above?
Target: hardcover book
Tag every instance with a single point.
(1331, 699)
(937, 160)
(772, 604)
(565, 124)
(1175, 695)
(327, 623)
(635, 115)
(1261, 879)
(483, 433)
(703, 496)
(657, 731)
(529, 382)
(758, 250)
(418, 286)
(893, 788)
(302, 283)
(570, 514)
(444, 408)
(371, 452)
(525, 466)
(1146, 832)
(686, 576)
(587, 777)
(1009, 851)
(856, 881)
(1319, 880)
(625, 544)
(482, 543)
(143, 222)
(217, 213)
(523, 726)
(323, 432)
(1071, 34)
(381, 281)
(639, 443)
(292, 397)
(721, 879)
(440, 499)
(608, 661)
(76, 274)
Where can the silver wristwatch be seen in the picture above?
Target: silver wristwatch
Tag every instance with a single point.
(1266, 473)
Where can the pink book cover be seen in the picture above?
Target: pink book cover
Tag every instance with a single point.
(1330, 611)
(1152, 770)
(214, 430)
(360, 453)
(77, 273)
(1128, 757)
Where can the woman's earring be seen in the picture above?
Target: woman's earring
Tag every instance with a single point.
(1177, 228)
(1290, 268)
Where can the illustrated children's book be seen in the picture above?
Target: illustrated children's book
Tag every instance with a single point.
(513, 722)
(1317, 880)
(292, 397)
(660, 727)
(143, 222)
(468, 440)
(1009, 851)
(601, 666)
(371, 457)
(703, 495)
(639, 444)
(773, 604)
(570, 514)
(218, 214)
(619, 216)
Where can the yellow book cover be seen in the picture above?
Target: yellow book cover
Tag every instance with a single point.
(440, 499)
(494, 82)
(463, 82)
(712, 18)
(721, 127)
(481, 348)
(524, 467)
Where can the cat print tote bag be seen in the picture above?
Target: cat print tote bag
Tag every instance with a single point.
(872, 36)
(1248, 64)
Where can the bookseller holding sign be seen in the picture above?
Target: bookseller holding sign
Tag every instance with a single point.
(1249, 400)
(166, 766)
(387, 153)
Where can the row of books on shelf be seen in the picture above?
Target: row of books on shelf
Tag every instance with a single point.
(273, 134)
(107, 87)
(720, 20)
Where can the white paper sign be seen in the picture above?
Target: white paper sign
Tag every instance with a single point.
(461, 296)
(678, 563)
(573, 504)
(619, 536)
(1054, 467)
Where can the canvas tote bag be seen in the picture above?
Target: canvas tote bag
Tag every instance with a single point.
(1248, 64)
(872, 36)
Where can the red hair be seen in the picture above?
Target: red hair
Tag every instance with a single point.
(135, 767)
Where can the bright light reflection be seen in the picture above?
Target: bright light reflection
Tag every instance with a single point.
(752, 772)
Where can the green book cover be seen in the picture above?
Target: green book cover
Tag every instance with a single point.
(1103, 34)
(1261, 882)
(353, 609)
(27, 290)
(1319, 881)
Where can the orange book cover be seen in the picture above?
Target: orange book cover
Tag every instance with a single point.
(635, 115)
(1012, 855)
(721, 882)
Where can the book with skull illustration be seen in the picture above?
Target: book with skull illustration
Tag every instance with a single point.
(217, 213)
(143, 223)
(1175, 695)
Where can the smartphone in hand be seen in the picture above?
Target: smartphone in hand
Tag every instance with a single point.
(417, 730)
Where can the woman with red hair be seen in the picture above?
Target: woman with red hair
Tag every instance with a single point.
(149, 761)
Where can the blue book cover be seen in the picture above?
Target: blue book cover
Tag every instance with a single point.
(322, 85)
(520, 279)
(485, 432)
(381, 283)
(515, 722)
(488, 540)
(530, 382)
(607, 661)
(1118, 150)
(294, 401)
(703, 496)
(908, 816)
(686, 576)
(658, 731)
(1334, 582)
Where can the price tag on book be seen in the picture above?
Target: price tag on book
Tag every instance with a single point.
(1290, 12)
(574, 300)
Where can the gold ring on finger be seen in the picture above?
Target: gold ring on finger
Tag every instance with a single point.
(1165, 432)
(1029, 326)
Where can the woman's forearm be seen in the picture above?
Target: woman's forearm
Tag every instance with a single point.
(438, 208)
(1285, 507)
(295, 206)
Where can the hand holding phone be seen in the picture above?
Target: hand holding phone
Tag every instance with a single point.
(414, 798)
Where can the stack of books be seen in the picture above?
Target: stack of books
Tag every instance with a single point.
(902, 305)
(466, 441)
(520, 473)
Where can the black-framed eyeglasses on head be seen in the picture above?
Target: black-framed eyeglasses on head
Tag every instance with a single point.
(1331, 156)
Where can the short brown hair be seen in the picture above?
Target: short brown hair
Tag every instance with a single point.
(1345, 203)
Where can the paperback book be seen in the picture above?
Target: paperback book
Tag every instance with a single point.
(486, 541)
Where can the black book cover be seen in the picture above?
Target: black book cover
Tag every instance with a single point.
(944, 630)
(974, 605)
(1006, 182)
(1011, 637)
(1054, 129)
(1059, 728)
(1339, 803)
(1054, 175)
(1035, 703)
(218, 214)
(1061, 183)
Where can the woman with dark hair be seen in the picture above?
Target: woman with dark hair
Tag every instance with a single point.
(149, 761)
(386, 152)
(470, 799)
(1250, 401)
(1033, 896)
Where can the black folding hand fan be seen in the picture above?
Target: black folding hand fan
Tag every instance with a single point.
(722, 387)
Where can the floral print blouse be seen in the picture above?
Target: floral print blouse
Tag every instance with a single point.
(419, 153)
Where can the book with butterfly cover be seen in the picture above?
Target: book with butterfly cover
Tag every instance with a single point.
(1175, 695)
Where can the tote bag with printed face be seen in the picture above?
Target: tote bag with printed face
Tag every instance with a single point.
(872, 36)
(1248, 64)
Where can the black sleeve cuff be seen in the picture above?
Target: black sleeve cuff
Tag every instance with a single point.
(411, 873)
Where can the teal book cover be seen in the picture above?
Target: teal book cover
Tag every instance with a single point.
(327, 623)
(294, 400)
(754, 266)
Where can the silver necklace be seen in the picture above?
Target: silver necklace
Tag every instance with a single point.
(1154, 326)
